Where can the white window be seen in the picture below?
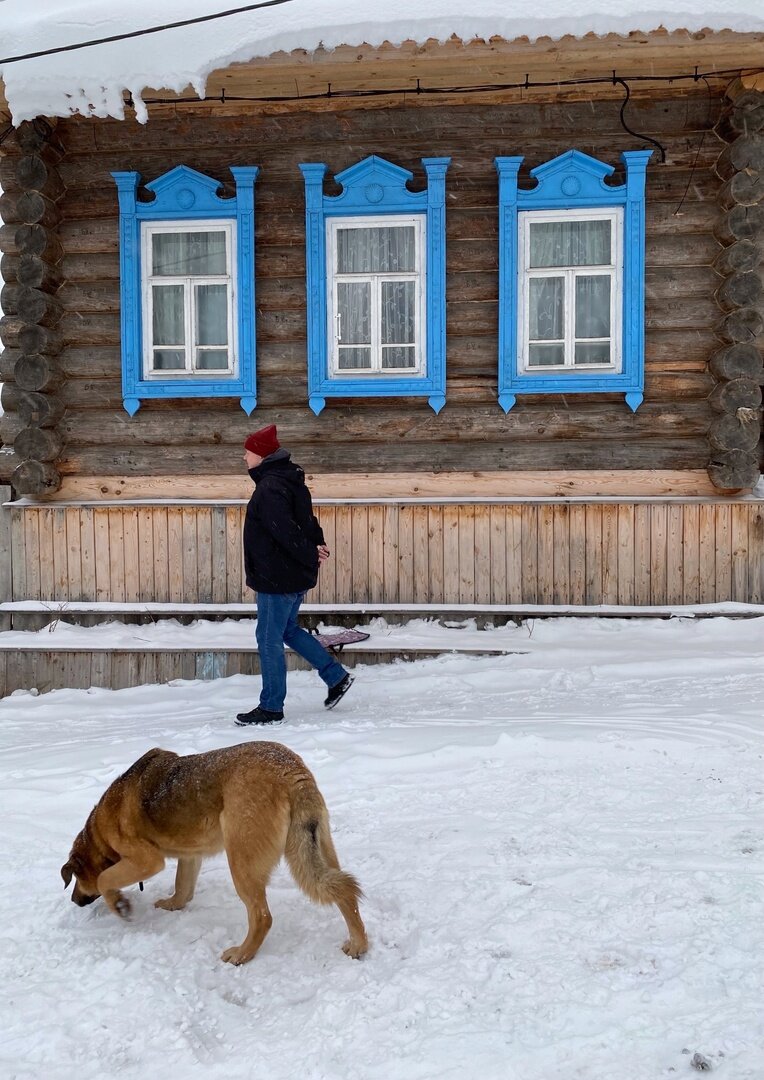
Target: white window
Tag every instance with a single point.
(188, 299)
(570, 290)
(376, 295)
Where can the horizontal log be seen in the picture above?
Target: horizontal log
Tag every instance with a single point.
(740, 326)
(745, 154)
(739, 431)
(10, 426)
(743, 256)
(739, 291)
(9, 299)
(9, 330)
(35, 306)
(742, 189)
(35, 478)
(36, 372)
(39, 339)
(686, 453)
(37, 136)
(102, 267)
(741, 223)
(35, 209)
(741, 361)
(734, 471)
(33, 173)
(38, 274)
(728, 397)
(40, 410)
(38, 444)
(37, 240)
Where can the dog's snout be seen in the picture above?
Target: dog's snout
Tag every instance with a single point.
(81, 899)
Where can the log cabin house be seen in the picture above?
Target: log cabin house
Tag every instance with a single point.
(502, 295)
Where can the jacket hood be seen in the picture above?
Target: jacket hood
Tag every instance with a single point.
(278, 464)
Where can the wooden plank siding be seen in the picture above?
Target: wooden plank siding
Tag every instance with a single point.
(501, 552)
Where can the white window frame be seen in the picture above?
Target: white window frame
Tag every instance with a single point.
(333, 225)
(614, 268)
(150, 229)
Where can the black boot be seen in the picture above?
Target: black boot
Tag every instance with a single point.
(336, 693)
(258, 716)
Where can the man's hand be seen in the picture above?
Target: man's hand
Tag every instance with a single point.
(323, 553)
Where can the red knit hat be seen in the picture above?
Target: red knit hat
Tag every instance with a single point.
(263, 442)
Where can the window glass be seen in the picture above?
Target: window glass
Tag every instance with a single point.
(547, 309)
(211, 359)
(211, 314)
(570, 243)
(592, 306)
(376, 250)
(169, 359)
(168, 315)
(354, 359)
(354, 312)
(188, 254)
(398, 307)
(592, 352)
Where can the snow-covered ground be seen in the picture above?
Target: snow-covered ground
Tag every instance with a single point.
(561, 851)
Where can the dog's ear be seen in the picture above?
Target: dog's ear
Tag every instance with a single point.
(66, 873)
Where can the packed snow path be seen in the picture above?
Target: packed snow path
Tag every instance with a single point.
(561, 851)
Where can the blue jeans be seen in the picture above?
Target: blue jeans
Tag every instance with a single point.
(277, 626)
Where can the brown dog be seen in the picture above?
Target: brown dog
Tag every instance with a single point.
(257, 800)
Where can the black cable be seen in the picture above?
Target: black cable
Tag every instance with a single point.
(700, 144)
(142, 33)
(625, 126)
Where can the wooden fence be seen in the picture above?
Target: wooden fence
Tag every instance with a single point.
(492, 552)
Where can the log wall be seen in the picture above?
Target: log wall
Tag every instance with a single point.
(550, 433)
(491, 552)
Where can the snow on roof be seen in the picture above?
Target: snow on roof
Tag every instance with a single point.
(91, 81)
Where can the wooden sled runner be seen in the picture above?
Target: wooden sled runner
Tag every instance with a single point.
(337, 640)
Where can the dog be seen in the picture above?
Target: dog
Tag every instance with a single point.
(257, 801)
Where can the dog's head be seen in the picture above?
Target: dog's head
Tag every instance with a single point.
(85, 864)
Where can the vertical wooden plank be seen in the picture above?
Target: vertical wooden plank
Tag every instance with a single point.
(466, 554)
(530, 540)
(344, 551)
(642, 554)
(116, 553)
(218, 586)
(674, 554)
(74, 552)
(359, 524)
(546, 554)
(658, 553)
(175, 553)
(593, 572)
(18, 555)
(609, 553)
(61, 574)
(706, 553)
(327, 575)
(577, 550)
(691, 553)
(756, 553)
(102, 570)
(6, 563)
(723, 552)
(47, 584)
(390, 553)
(435, 548)
(235, 586)
(190, 542)
(132, 554)
(203, 554)
(405, 553)
(421, 554)
(482, 554)
(739, 530)
(450, 553)
(500, 555)
(561, 553)
(88, 553)
(516, 568)
(161, 554)
(376, 526)
(626, 553)
(145, 525)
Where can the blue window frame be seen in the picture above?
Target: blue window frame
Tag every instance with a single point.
(187, 287)
(376, 280)
(571, 278)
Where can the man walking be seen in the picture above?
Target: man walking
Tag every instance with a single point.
(283, 546)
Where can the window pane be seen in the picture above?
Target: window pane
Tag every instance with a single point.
(570, 243)
(211, 359)
(168, 317)
(169, 359)
(398, 311)
(592, 306)
(211, 314)
(546, 355)
(547, 306)
(385, 249)
(184, 254)
(354, 304)
(595, 352)
(354, 359)
(399, 356)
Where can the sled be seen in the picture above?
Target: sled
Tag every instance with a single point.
(337, 640)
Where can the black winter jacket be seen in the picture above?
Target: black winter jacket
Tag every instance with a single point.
(281, 532)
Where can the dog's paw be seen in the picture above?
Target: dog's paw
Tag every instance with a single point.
(356, 949)
(122, 907)
(169, 904)
(236, 955)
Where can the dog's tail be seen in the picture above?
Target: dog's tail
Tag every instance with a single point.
(310, 852)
